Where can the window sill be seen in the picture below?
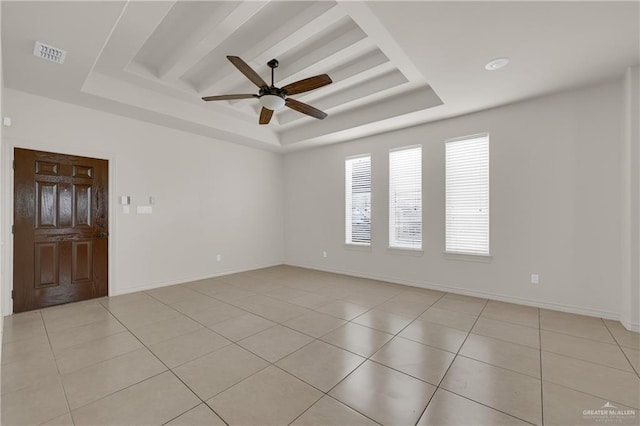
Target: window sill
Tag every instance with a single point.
(467, 257)
(405, 251)
(357, 247)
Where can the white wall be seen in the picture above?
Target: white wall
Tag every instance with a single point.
(212, 197)
(630, 300)
(557, 196)
(555, 204)
(1, 212)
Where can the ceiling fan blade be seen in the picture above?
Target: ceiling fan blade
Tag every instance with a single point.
(265, 115)
(247, 71)
(227, 97)
(305, 109)
(307, 84)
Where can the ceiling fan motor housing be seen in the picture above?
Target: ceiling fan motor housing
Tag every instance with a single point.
(272, 91)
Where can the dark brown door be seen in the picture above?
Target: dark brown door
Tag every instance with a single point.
(61, 229)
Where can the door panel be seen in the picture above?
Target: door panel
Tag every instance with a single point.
(61, 229)
(46, 168)
(46, 204)
(83, 171)
(82, 205)
(46, 264)
(81, 262)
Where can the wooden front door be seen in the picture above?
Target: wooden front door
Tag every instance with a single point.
(61, 229)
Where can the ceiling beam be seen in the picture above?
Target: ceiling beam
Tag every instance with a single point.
(369, 22)
(207, 38)
(215, 117)
(364, 66)
(357, 89)
(262, 52)
(134, 27)
(325, 63)
(369, 115)
(261, 55)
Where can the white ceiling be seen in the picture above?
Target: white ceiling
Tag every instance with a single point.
(393, 64)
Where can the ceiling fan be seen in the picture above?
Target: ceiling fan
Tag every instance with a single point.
(272, 98)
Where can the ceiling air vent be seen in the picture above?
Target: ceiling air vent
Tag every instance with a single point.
(49, 53)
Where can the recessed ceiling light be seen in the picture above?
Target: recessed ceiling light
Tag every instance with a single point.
(496, 64)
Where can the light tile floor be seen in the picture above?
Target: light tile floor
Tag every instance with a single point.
(286, 345)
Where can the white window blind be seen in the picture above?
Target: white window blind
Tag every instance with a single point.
(405, 198)
(358, 200)
(467, 195)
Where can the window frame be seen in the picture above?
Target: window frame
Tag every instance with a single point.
(347, 239)
(395, 248)
(462, 254)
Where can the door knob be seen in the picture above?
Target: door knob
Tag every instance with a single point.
(103, 235)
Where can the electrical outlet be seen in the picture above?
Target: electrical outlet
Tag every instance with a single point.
(324, 254)
(535, 279)
(218, 257)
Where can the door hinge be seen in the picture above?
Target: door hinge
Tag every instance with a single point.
(14, 164)
(13, 229)
(13, 293)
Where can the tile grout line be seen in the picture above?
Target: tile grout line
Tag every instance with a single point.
(313, 310)
(319, 339)
(369, 357)
(269, 362)
(359, 365)
(451, 364)
(314, 339)
(580, 337)
(452, 361)
(394, 336)
(587, 361)
(550, 351)
(620, 347)
(582, 391)
(365, 358)
(64, 389)
(165, 365)
(116, 391)
(231, 343)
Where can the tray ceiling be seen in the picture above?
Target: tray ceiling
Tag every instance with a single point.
(180, 54)
(393, 64)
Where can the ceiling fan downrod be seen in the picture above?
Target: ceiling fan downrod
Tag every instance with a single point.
(273, 64)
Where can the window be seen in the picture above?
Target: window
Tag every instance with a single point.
(467, 195)
(405, 198)
(358, 200)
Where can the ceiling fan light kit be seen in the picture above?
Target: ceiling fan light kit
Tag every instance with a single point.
(272, 98)
(273, 102)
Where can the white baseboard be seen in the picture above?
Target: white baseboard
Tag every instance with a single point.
(631, 326)
(159, 284)
(483, 294)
